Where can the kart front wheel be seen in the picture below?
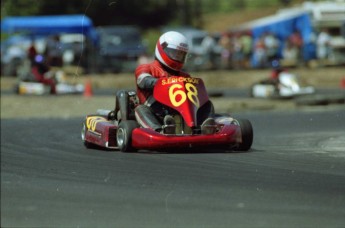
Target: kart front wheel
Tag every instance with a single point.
(83, 136)
(124, 135)
(247, 135)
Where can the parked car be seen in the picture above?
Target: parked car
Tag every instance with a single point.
(119, 48)
(14, 52)
(73, 45)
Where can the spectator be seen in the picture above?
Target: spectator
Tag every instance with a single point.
(296, 41)
(237, 56)
(53, 51)
(32, 52)
(247, 47)
(271, 44)
(323, 45)
(259, 54)
(208, 44)
(42, 73)
(225, 43)
(290, 52)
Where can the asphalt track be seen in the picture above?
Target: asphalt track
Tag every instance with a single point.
(293, 177)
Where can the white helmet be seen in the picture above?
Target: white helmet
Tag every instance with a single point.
(171, 50)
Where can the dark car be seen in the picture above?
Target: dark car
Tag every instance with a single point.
(119, 48)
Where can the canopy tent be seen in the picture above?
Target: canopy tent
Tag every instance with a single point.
(48, 25)
(22, 30)
(282, 25)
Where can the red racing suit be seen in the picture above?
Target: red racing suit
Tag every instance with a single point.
(147, 74)
(149, 112)
(39, 71)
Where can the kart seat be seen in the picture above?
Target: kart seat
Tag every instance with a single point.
(125, 102)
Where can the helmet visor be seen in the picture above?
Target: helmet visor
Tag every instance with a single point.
(175, 54)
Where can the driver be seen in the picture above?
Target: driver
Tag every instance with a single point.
(42, 73)
(170, 55)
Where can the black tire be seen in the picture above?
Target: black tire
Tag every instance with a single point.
(83, 132)
(247, 135)
(124, 135)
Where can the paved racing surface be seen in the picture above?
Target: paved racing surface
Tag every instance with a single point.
(293, 177)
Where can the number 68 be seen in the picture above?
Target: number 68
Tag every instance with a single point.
(192, 94)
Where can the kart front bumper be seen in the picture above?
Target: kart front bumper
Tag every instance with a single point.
(143, 138)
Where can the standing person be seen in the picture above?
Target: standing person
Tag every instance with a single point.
(208, 44)
(290, 53)
(53, 52)
(259, 54)
(237, 52)
(42, 73)
(32, 52)
(271, 44)
(170, 55)
(247, 46)
(323, 45)
(297, 42)
(225, 43)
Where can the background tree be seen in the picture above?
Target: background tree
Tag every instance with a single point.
(145, 14)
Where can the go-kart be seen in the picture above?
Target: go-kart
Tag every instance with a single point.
(186, 97)
(28, 85)
(286, 86)
(38, 88)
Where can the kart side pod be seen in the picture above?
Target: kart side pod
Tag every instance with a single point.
(98, 130)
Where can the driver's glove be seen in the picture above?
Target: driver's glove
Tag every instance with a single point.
(146, 82)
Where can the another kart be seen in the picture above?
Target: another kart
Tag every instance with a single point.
(37, 88)
(29, 86)
(286, 86)
(186, 97)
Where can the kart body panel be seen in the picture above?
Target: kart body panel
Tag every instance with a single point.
(148, 139)
(102, 132)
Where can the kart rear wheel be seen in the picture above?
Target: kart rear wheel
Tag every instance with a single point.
(247, 135)
(124, 135)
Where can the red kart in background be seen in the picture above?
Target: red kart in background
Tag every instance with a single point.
(118, 129)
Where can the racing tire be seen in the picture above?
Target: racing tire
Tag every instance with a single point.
(124, 135)
(83, 133)
(247, 135)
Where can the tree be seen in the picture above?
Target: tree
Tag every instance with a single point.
(149, 13)
(20, 7)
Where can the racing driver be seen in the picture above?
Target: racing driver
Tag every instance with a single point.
(170, 55)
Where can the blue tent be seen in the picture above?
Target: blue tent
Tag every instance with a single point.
(283, 25)
(48, 25)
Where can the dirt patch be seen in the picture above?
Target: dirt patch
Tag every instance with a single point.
(13, 106)
(318, 77)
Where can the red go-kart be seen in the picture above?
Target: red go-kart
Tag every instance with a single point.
(119, 129)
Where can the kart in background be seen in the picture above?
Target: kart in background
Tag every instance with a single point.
(286, 86)
(186, 98)
(29, 86)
